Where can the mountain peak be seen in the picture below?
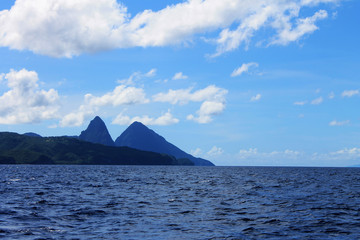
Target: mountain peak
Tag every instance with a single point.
(97, 132)
(137, 124)
(138, 136)
(97, 118)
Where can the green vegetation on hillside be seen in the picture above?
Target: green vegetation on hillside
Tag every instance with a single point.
(21, 149)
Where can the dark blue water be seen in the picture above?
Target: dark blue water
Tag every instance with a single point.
(140, 202)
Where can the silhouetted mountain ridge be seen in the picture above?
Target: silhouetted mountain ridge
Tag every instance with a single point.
(139, 136)
(22, 149)
(31, 134)
(136, 136)
(97, 132)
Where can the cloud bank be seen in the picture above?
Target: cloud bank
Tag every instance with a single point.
(70, 28)
(120, 96)
(165, 119)
(212, 99)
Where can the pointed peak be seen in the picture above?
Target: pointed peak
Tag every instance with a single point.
(97, 118)
(139, 136)
(97, 121)
(97, 132)
(137, 125)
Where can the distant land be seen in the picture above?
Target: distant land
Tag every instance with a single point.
(97, 132)
(138, 136)
(137, 145)
(22, 149)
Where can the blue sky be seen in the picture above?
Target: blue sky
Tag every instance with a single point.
(236, 82)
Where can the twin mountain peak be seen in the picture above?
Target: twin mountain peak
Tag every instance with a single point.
(137, 136)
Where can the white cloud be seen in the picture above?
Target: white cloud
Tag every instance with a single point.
(136, 76)
(179, 76)
(244, 68)
(253, 156)
(165, 119)
(348, 152)
(300, 103)
(25, 102)
(350, 93)
(183, 96)
(268, 157)
(288, 33)
(255, 98)
(337, 123)
(68, 28)
(76, 119)
(212, 98)
(207, 110)
(120, 96)
(245, 153)
(344, 157)
(62, 28)
(331, 95)
(197, 152)
(215, 151)
(317, 101)
(151, 73)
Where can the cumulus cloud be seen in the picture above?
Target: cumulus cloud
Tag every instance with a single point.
(244, 68)
(215, 151)
(25, 102)
(179, 76)
(317, 101)
(183, 96)
(347, 153)
(69, 28)
(212, 98)
(288, 33)
(62, 28)
(337, 123)
(77, 118)
(350, 93)
(206, 112)
(255, 98)
(197, 152)
(165, 119)
(343, 157)
(121, 95)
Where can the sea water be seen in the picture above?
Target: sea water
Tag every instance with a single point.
(167, 202)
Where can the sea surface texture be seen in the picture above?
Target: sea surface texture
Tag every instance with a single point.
(141, 202)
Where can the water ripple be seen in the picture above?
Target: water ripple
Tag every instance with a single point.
(140, 202)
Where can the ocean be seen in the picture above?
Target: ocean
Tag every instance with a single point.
(172, 202)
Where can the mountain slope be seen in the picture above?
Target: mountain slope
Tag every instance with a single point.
(21, 149)
(97, 132)
(31, 134)
(139, 136)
